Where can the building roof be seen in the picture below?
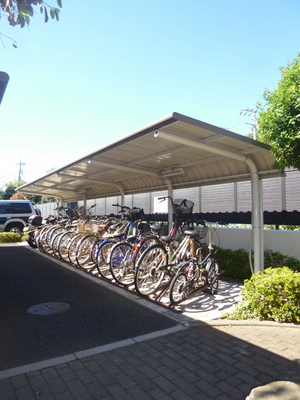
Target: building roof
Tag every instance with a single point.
(176, 150)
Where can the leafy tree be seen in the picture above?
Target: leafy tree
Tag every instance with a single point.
(9, 192)
(19, 12)
(279, 118)
(9, 189)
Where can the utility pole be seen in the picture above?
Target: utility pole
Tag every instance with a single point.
(251, 111)
(20, 170)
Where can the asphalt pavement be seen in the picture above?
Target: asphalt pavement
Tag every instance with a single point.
(108, 343)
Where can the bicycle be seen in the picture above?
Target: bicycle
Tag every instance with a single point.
(157, 262)
(199, 273)
(124, 255)
(129, 226)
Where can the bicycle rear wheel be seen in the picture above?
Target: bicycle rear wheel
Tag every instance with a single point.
(179, 289)
(212, 278)
(84, 252)
(103, 259)
(151, 269)
(63, 244)
(72, 248)
(54, 245)
(122, 263)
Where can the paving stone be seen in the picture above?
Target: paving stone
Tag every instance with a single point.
(104, 378)
(85, 376)
(65, 396)
(67, 374)
(76, 387)
(49, 373)
(117, 392)
(57, 385)
(37, 382)
(96, 390)
(25, 393)
(93, 366)
(137, 393)
(6, 390)
(19, 381)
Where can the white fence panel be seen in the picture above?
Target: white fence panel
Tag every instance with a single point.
(286, 242)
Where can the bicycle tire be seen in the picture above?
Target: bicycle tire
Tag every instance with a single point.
(63, 244)
(72, 248)
(103, 259)
(38, 234)
(53, 232)
(147, 242)
(83, 252)
(151, 269)
(179, 288)
(54, 245)
(212, 276)
(42, 240)
(122, 263)
(94, 249)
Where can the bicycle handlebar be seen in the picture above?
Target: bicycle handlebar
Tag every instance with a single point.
(169, 197)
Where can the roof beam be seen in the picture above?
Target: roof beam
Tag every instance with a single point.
(124, 167)
(200, 146)
(96, 181)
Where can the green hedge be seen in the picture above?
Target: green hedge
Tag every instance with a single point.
(9, 237)
(271, 295)
(236, 264)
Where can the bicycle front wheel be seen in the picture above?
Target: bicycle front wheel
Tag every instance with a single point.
(150, 270)
(179, 289)
(122, 263)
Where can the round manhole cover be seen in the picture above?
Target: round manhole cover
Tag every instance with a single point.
(48, 308)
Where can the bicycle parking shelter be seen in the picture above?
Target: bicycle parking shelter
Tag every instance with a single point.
(172, 153)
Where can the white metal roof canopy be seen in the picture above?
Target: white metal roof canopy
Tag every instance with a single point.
(174, 152)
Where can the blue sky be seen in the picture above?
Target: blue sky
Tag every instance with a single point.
(107, 70)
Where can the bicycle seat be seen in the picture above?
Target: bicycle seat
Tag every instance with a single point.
(191, 233)
(156, 228)
(131, 238)
(167, 239)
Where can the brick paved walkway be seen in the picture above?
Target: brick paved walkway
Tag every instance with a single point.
(215, 360)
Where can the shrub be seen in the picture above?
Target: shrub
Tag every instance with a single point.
(236, 264)
(275, 259)
(9, 237)
(272, 295)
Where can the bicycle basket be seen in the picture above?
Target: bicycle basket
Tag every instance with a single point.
(85, 227)
(137, 214)
(182, 207)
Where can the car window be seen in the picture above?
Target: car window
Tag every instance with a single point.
(15, 208)
(3, 208)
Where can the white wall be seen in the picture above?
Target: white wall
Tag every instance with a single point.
(286, 242)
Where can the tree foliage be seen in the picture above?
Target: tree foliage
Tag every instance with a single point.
(9, 189)
(19, 12)
(9, 192)
(279, 118)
